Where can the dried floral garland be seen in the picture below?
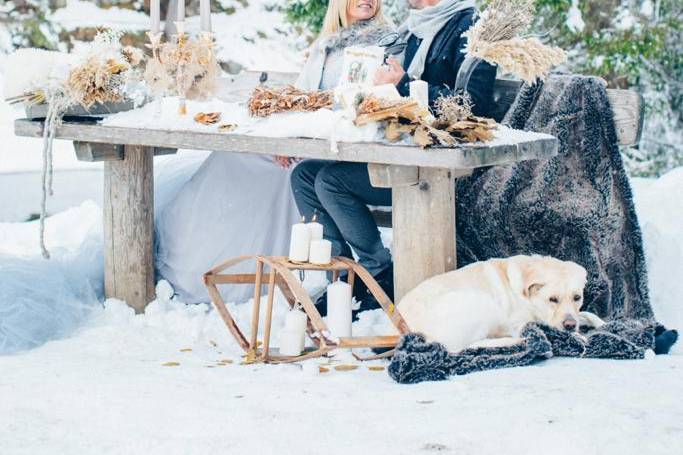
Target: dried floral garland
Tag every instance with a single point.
(266, 101)
(494, 39)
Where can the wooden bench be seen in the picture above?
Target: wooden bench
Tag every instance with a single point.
(423, 199)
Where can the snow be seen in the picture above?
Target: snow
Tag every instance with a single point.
(112, 367)
(79, 13)
(322, 124)
(574, 18)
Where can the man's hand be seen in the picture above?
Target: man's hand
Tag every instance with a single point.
(391, 73)
(284, 161)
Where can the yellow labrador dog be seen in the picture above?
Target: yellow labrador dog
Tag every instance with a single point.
(489, 303)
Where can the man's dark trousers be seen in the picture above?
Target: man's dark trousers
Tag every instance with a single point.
(339, 193)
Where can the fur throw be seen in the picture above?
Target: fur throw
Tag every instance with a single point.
(361, 33)
(417, 360)
(576, 207)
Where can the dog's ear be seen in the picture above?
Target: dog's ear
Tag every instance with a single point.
(532, 289)
(523, 276)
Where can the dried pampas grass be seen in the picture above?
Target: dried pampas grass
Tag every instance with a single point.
(526, 58)
(97, 81)
(494, 39)
(452, 109)
(266, 101)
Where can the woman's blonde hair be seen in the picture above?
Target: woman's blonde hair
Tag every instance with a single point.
(337, 16)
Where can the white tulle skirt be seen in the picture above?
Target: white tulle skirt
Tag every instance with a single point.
(231, 204)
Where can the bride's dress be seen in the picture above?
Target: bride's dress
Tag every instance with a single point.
(232, 204)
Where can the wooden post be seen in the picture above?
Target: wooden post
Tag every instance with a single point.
(423, 218)
(129, 227)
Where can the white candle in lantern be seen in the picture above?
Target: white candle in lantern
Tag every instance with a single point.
(419, 91)
(155, 15)
(293, 336)
(299, 242)
(339, 296)
(205, 12)
(320, 252)
(181, 11)
(316, 230)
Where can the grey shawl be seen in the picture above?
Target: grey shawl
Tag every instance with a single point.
(425, 24)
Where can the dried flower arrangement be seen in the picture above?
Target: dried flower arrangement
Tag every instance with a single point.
(186, 68)
(266, 101)
(454, 124)
(100, 76)
(494, 38)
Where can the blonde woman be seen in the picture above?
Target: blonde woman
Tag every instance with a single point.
(347, 23)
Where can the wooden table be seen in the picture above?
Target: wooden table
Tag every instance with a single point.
(423, 195)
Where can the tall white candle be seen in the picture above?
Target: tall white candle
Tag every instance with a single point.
(339, 296)
(293, 335)
(155, 15)
(419, 91)
(290, 343)
(181, 11)
(321, 252)
(316, 230)
(299, 242)
(205, 12)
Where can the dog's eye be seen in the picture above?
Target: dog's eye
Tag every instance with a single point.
(554, 299)
(577, 297)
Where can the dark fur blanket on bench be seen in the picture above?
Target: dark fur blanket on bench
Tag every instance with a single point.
(578, 207)
(575, 207)
(416, 360)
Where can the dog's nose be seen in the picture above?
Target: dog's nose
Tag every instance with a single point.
(569, 324)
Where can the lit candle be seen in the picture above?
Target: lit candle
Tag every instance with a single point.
(155, 15)
(205, 11)
(293, 336)
(181, 11)
(419, 91)
(320, 252)
(299, 242)
(339, 296)
(316, 229)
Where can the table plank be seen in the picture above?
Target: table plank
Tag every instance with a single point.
(466, 156)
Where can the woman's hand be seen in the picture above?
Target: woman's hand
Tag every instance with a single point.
(391, 73)
(284, 161)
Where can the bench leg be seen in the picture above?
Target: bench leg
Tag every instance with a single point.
(423, 219)
(129, 227)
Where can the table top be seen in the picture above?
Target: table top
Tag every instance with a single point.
(524, 146)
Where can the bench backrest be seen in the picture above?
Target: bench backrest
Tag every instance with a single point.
(626, 104)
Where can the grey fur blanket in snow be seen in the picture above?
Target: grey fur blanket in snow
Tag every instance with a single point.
(577, 206)
(417, 360)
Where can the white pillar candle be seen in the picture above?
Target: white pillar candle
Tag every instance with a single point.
(205, 12)
(155, 15)
(290, 343)
(339, 296)
(181, 11)
(296, 320)
(299, 242)
(316, 230)
(419, 91)
(320, 252)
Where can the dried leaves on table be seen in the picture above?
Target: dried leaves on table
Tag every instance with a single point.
(454, 123)
(207, 118)
(266, 101)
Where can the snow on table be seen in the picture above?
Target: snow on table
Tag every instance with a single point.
(162, 114)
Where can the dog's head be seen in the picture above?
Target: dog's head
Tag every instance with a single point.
(553, 289)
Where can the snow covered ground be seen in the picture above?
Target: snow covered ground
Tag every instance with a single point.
(101, 386)
(106, 389)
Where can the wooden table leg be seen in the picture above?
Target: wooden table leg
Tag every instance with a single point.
(129, 227)
(423, 220)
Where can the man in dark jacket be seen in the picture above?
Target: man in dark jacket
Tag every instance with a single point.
(339, 192)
